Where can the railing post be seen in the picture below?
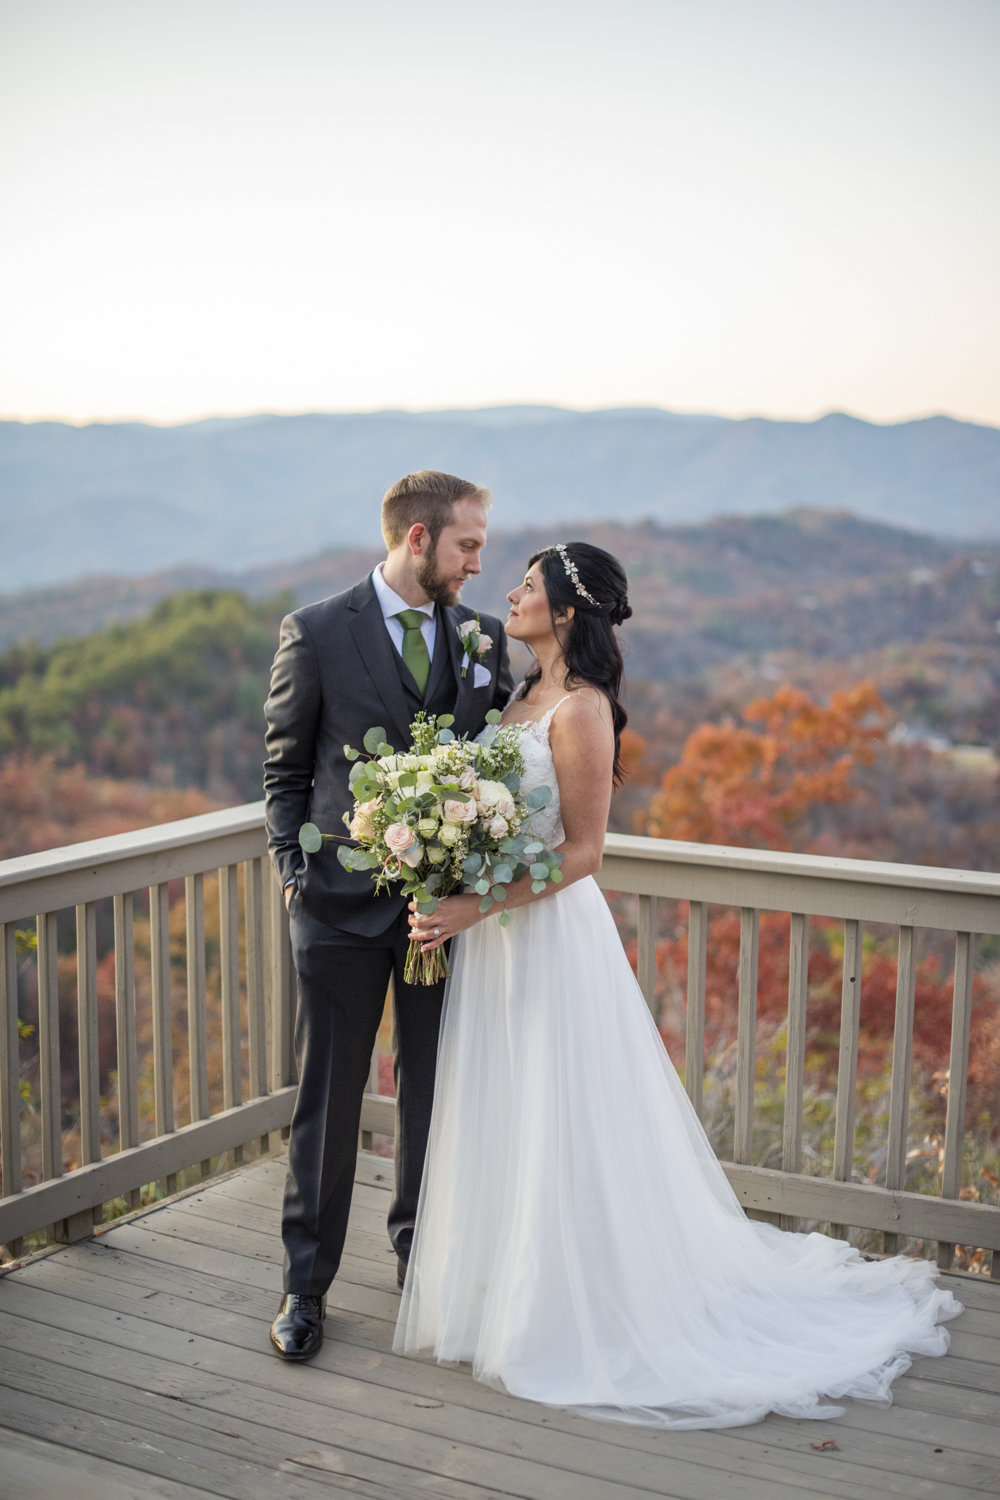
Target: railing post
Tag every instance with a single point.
(694, 1044)
(795, 1053)
(10, 1074)
(646, 953)
(746, 1036)
(847, 1066)
(902, 1057)
(128, 1065)
(958, 1077)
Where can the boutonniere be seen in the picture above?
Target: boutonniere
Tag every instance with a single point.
(476, 644)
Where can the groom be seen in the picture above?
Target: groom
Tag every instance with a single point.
(375, 655)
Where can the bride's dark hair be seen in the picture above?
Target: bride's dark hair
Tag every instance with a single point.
(592, 583)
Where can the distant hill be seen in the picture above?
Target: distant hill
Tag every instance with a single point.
(129, 498)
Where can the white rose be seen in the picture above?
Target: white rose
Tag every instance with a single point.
(459, 812)
(485, 643)
(424, 783)
(435, 853)
(408, 762)
(450, 834)
(427, 827)
(467, 627)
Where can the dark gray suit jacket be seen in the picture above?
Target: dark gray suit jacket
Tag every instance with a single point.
(336, 675)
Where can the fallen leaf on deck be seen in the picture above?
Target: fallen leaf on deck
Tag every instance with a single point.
(827, 1446)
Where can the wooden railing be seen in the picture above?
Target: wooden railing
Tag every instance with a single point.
(854, 891)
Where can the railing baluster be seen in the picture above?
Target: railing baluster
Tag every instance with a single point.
(647, 953)
(847, 1065)
(282, 990)
(694, 1046)
(902, 1057)
(10, 1073)
(958, 1078)
(795, 1053)
(253, 906)
(197, 1015)
(128, 1066)
(163, 1031)
(81, 1225)
(746, 1036)
(49, 1073)
(229, 963)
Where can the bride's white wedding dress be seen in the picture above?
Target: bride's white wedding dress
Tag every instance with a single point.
(577, 1240)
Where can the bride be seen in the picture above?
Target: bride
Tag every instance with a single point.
(576, 1239)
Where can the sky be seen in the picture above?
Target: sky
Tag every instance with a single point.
(779, 207)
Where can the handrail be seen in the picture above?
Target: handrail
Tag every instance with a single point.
(856, 891)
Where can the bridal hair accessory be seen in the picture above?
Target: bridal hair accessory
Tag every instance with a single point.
(476, 644)
(572, 573)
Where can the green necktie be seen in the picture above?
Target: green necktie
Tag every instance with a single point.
(415, 653)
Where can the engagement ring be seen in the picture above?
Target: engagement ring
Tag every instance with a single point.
(437, 932)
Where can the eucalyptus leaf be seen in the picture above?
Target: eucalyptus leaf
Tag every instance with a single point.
(482, 886)
(385, 749)
(505, 846)
(310, 838)
(408, 778)
(539, 871)
(494, 716)
(556, 875)
(512, 782)
(373, 739)
(472, 864)
(486, 903)
(445, 721)
(428, 907)
(344, 855)
(346, 820)
(445, 736)
(499, 893)
(537, 886)
(538, 798)
(433, 882)
(504, 918)
(488, 736)
(503, 874)
(350, 754)
(534, 848)
(357, 771)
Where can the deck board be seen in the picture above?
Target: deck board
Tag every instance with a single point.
(144, 1352)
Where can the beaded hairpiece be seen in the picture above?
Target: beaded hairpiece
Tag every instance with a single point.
(571, 572)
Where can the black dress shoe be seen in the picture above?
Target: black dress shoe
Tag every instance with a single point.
(401, 1266)
(297, 1331)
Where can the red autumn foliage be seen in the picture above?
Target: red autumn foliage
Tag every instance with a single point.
(734, 785)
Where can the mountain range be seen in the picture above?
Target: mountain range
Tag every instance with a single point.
(227, 494)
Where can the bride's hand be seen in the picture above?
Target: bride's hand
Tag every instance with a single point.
(454, 914)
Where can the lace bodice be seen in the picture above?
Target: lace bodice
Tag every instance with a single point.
(539, 770)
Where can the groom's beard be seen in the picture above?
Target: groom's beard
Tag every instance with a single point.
(440, 587)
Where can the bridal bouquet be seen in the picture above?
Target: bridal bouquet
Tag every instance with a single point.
(448, 814)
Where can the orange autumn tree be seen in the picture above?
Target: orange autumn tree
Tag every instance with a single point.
(736, 785)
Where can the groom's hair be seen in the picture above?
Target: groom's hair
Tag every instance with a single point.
(429, 497)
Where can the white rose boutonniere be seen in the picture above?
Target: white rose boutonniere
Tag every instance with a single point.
(476, 644)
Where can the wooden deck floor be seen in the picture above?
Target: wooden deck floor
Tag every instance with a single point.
(137, 1364)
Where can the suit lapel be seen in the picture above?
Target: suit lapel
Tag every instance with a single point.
(378, 654)
(450, 619)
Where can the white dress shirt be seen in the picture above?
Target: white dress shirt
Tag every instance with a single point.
(392, 604)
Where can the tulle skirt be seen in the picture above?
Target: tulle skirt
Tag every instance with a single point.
(577, 1240)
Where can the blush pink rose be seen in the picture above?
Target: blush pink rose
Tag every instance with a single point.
(361, 823)
(459, 812)
(467, 780)
(498, 828)
(413, 855)
(399, 837)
